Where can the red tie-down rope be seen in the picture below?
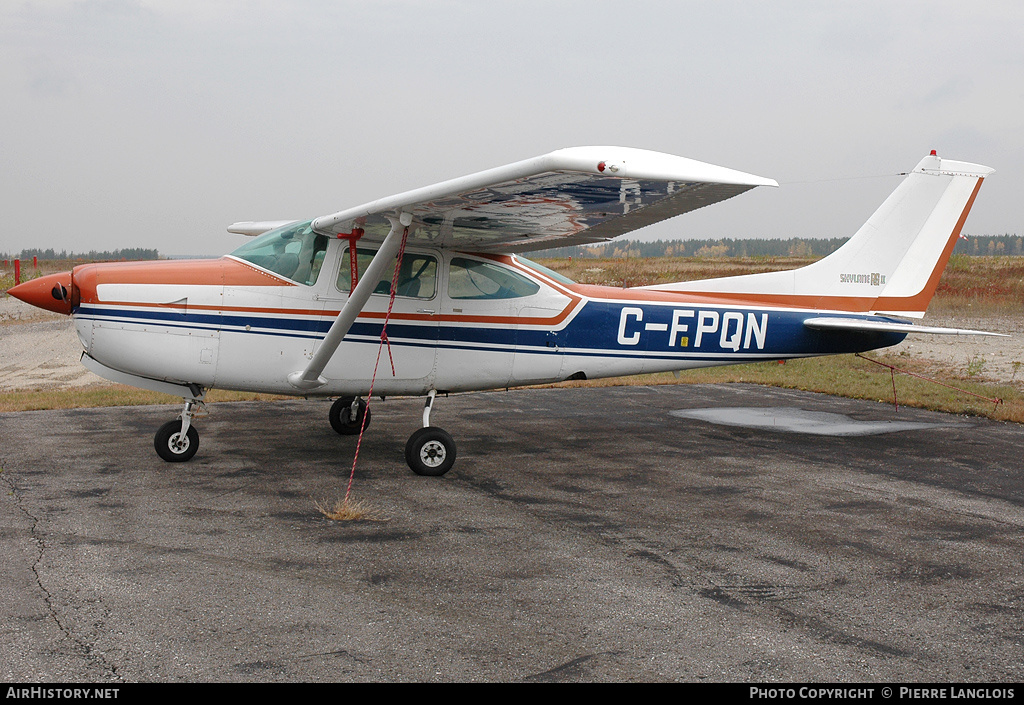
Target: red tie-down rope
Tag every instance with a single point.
(383, 341)
(892, 373)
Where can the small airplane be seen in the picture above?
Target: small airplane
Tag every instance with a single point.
(431, 282)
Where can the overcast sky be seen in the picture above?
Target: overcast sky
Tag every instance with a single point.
(157, 123)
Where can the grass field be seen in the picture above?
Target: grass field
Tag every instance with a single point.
(981, 287)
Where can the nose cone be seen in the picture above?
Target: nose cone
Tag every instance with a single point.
(52, 292)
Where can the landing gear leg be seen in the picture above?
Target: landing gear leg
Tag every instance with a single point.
(178, 440)
(430, 450)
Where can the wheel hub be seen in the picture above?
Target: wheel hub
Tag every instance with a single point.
(178, 443)
(432, 453)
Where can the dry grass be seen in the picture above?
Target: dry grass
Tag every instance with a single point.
(852, 377)
(970, 286)
(29, 272)
(352, 510)
(108, 395)
(981, 286)
(641, 271)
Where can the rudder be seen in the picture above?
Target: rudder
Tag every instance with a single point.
(892, 264)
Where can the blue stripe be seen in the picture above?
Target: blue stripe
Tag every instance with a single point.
(592, 332)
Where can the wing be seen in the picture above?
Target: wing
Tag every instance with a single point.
(568, 197)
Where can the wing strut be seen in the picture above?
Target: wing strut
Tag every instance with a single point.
(310, 378)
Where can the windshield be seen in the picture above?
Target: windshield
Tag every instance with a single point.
(293, 251)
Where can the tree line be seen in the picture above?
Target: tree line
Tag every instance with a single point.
(978, 245)
(128, 253)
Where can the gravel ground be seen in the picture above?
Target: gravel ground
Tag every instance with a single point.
(995, 359)
(39, 349)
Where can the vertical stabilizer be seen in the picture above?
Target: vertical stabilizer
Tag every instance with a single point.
(891, 265)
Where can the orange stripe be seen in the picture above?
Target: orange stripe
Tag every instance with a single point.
(224, 271)
(855, 304)
(204, 307)
(231, 272)
(554, 320)
(920, 301)
(210, 272)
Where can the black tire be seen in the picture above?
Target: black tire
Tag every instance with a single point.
(430, 451)
(340, 421)
(167, 442)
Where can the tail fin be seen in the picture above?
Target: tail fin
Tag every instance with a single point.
(891, 265)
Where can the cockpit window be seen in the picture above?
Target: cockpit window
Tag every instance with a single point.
(473, 279)
(293, 251)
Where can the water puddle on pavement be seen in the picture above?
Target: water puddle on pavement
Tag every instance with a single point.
(797, 420)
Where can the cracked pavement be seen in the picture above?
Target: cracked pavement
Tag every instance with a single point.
(583, 535)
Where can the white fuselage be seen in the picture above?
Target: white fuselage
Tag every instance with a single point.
(231, 326)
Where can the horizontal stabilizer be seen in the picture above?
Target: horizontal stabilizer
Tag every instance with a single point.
(251, 228)
(867, 326)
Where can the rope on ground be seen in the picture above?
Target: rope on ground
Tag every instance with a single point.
(892, 373)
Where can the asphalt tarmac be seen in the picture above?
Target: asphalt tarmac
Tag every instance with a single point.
(583, 535)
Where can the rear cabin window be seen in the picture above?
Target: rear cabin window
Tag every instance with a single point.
(417, 277)
(544, 270)
(473, 279)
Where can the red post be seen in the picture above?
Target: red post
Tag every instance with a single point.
(35, 262)
(353, 238)
(17, 272)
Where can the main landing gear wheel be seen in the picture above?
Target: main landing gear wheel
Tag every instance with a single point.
(341, 416)
(430, 451)
(172, 445)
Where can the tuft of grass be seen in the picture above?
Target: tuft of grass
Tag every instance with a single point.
(975, 366)
(342, 510)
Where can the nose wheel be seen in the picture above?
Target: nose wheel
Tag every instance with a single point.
(347, 415)
(174, 446)
(177, 441)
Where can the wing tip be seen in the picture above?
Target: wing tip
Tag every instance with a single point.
(636, 163)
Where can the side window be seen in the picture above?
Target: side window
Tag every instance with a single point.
(473, 279)
(416, 279)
